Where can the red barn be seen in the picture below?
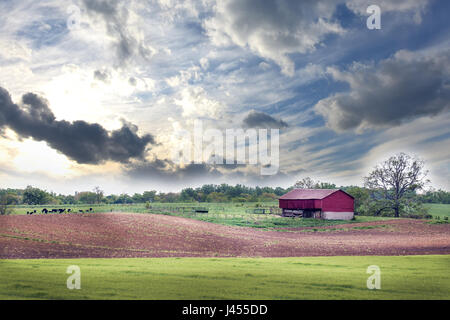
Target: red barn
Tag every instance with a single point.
(333, 204)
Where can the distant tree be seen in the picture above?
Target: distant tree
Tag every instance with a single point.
(86, 197)
(98, 195)
(216, 197)
(5, 207)
(362, 199)
(305, 183)
(188, 194)
(137, 198)
(308, 183)
(12, 198)
(149, 195)
(169, 197)
(436, 196)
(200, 196)
(112, 198)
(266, 196)
(68, 199)
(325, 185)
(35, 196)
(279, 191)
(124, 199)
(395, 178)
(207, 189)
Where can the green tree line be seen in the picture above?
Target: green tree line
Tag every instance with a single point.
(392, 188)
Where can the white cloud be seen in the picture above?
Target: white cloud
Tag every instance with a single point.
(272, 30)
(14, 50)
(195, 103)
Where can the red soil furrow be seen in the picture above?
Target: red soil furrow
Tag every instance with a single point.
(140, 235)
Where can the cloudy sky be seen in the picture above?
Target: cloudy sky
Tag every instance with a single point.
(92, 92)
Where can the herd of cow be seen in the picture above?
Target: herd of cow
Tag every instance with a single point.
(59, 211)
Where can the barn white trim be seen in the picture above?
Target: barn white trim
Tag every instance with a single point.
(329, 215)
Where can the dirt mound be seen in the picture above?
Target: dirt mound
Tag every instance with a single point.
(116, 235)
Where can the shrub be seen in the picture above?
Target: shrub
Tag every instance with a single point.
(416, 215)
(4, 207)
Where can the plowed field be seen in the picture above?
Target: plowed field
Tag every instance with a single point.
(120, 235)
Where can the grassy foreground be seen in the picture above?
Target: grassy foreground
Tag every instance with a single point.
(403, 277)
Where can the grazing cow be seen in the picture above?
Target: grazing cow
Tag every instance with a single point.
(28, 212)
(44, 210)
(90, 209)
(34, 211)
(81, 211)
(62, 210)
(68, 210)
(55, 210)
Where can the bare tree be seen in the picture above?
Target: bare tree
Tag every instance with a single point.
(308, 183)
(394, 178)
(305, 183)
(98, 194)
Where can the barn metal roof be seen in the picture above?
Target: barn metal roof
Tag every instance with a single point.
(308, 194)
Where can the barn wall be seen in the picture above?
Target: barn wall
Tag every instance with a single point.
(300, 204)
(338, 202)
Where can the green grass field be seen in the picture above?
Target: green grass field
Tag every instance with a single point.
(216, 208)
(438, 209)
(402, 277)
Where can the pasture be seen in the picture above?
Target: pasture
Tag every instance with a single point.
(229, 214)
(402, 277)
(438, 209)
(217, 208)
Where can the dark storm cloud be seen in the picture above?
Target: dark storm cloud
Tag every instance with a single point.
(80, 141)
(115, 17)
(166, 173)
(257, 119)
(163, 169)
(401, 88)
